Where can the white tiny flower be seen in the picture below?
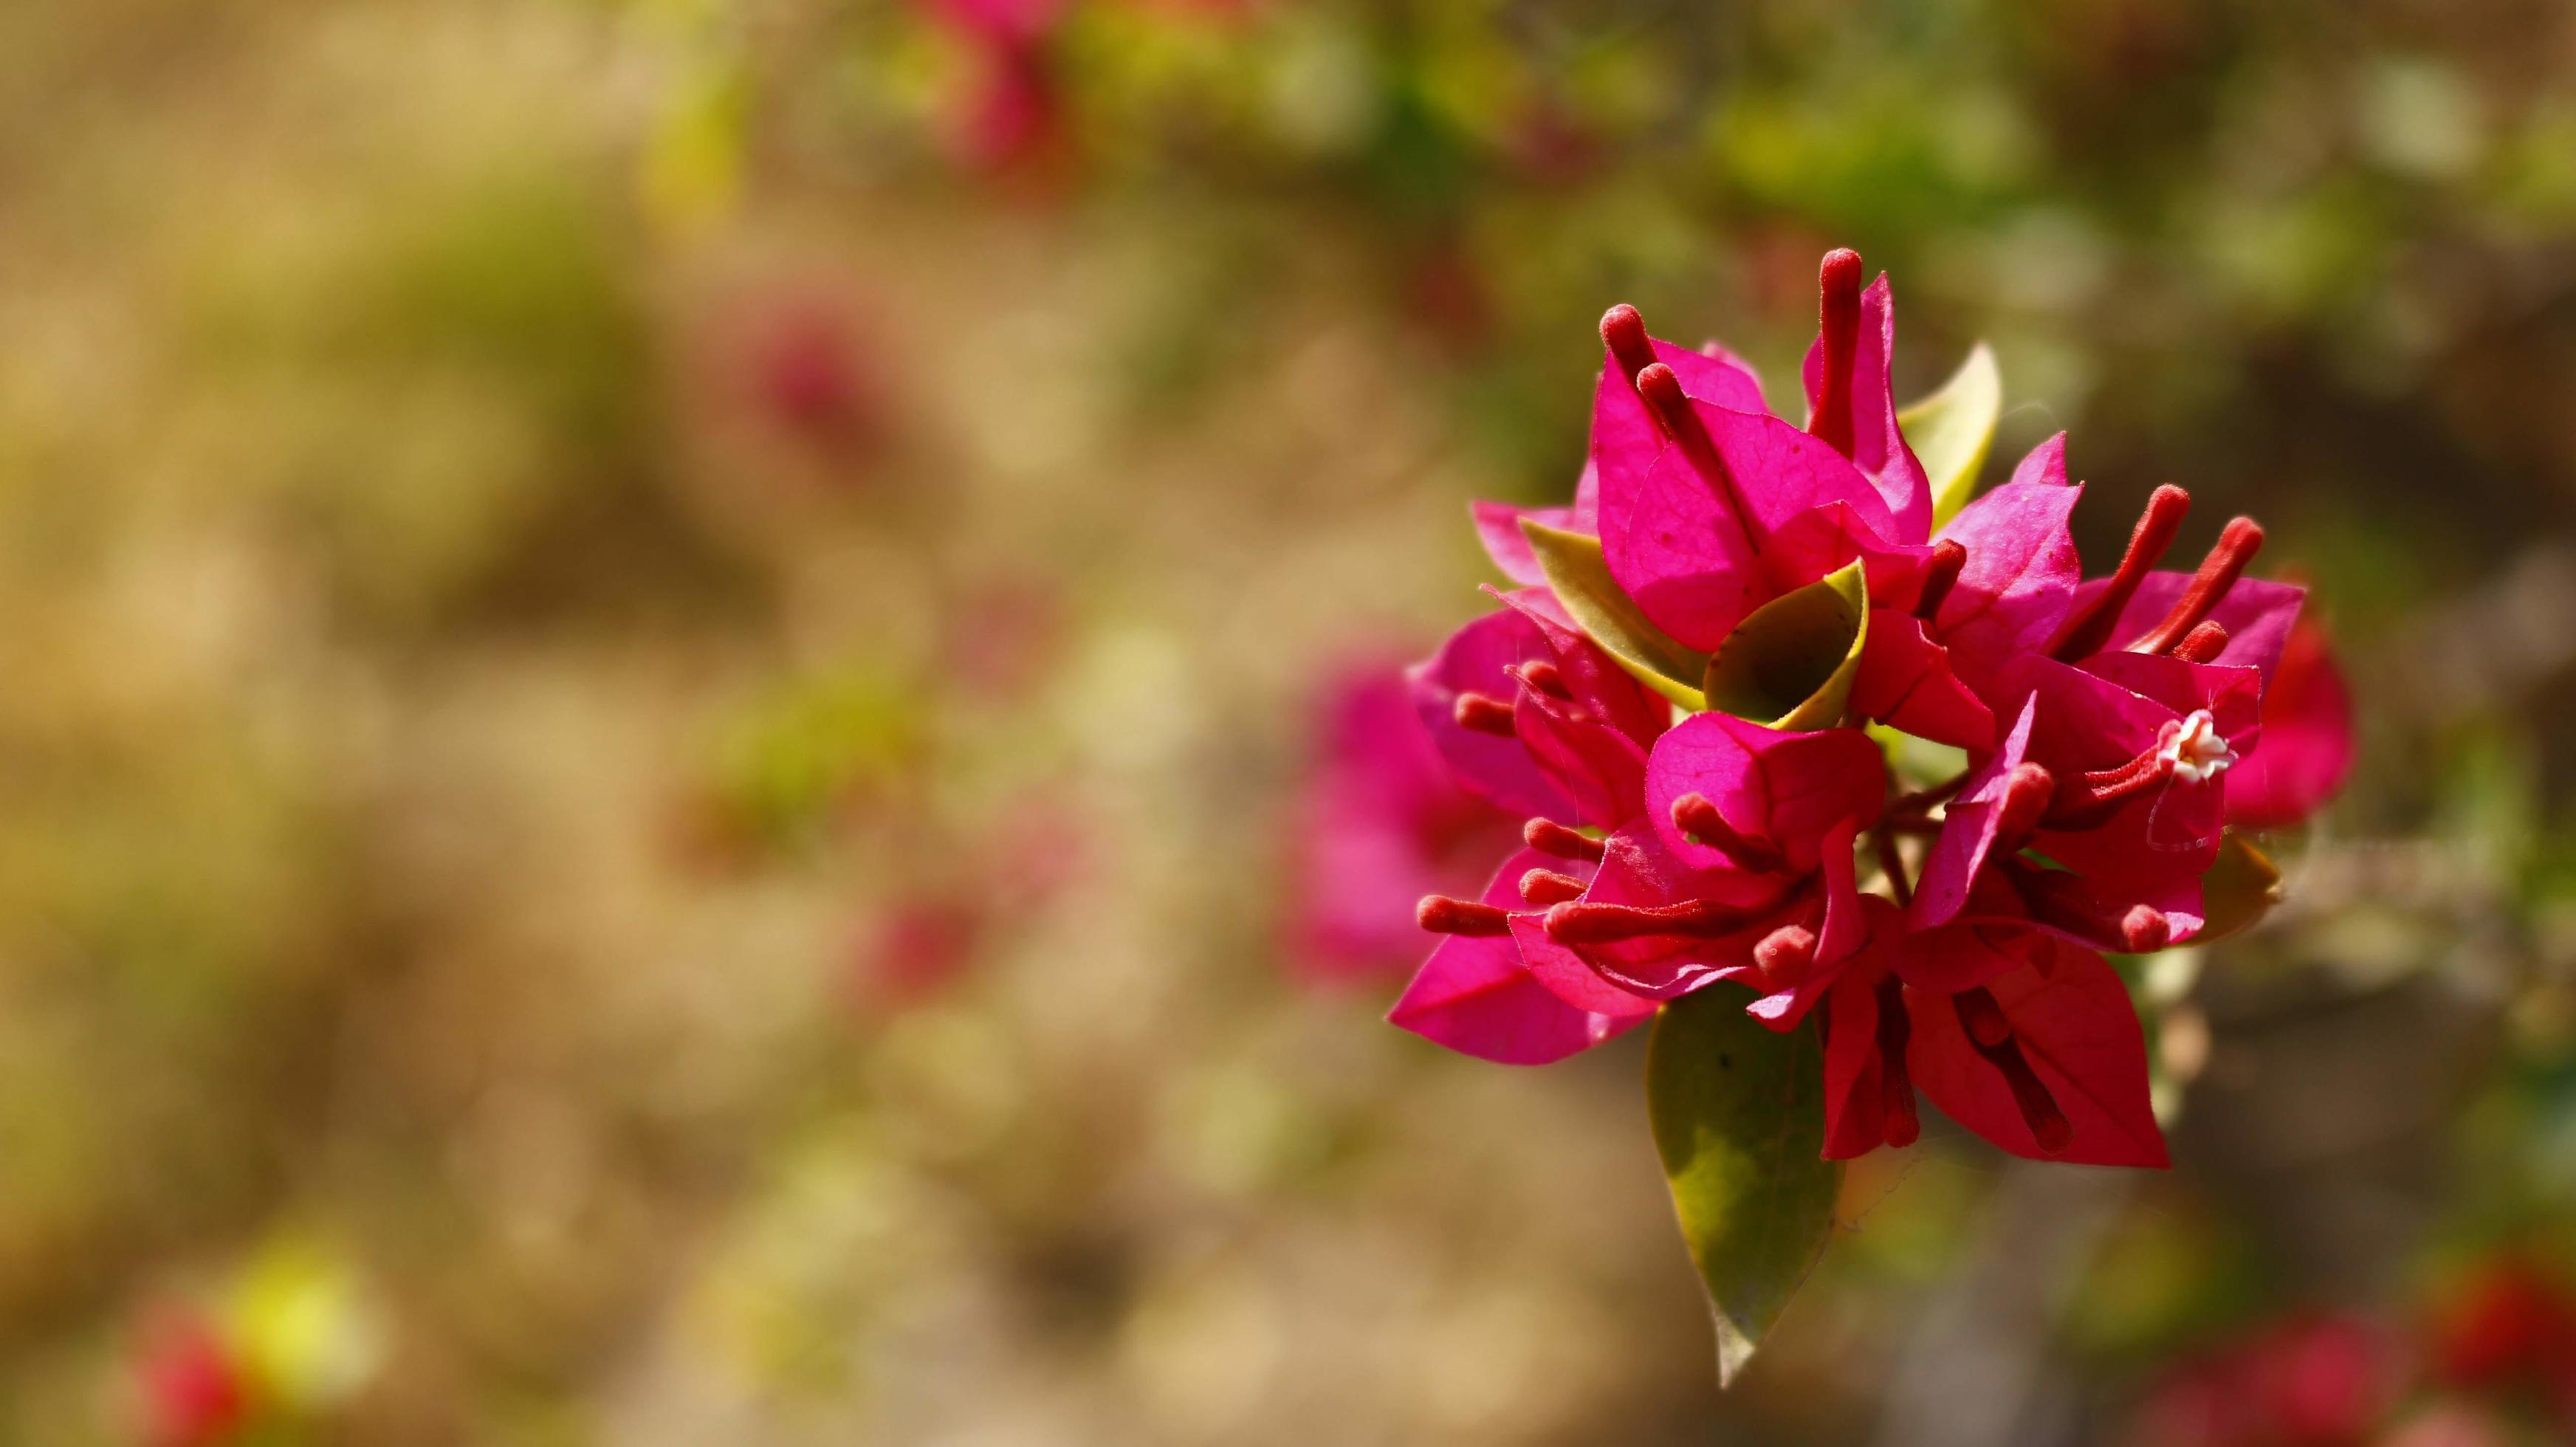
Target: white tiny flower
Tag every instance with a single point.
(2197, 751)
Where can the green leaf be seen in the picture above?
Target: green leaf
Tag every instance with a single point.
(2238, 890)
(1951, 430)
(1739, 1116)
(1582, 581)
(1791, 662)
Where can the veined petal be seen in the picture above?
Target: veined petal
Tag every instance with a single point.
(1677, 548)
(1908, 682)
(1958, 855)
(1786, 788)
(2073, 1023)
(2019, 580)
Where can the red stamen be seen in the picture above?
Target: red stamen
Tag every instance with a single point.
(2091, 798)
(1948, 557)
(1596, 924)
(2145, 930)
(2203, 644)
(1545, 677)
(2085, 633)
(1624, 333)
(1442, 915)
(1698, 818)
(2026, 796)
(1896, 1088)
(1483, 713)
(1786, 952)
(2237, 544)
(1549, 837)
(1981, 1017)
(1543, 887)
(1838, 324)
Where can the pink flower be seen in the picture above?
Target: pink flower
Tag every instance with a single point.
(1012, 113)
(2509, 1326)
(195, 1392)
(916, 950)
(2101, 722)
(2311, 1381)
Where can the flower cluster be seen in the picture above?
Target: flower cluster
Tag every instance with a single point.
(1692, 690)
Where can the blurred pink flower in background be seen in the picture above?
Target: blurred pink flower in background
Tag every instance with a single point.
(1381, 825)
(2307, 738)
(1011, 115)
(916, 950)
(195, 1391)
(807, 370)
(2311, 1381)
(2508, 1328)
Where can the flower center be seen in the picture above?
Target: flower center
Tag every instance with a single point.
(2197, 751)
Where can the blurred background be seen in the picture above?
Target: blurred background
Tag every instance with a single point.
(666, 664)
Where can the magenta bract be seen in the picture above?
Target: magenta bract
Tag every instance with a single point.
(1948, 934)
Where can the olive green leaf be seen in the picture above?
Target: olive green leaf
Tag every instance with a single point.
(1574, 568)
(1951, 430)
(1791, 662)
(2238, 890)
(1739, 1118)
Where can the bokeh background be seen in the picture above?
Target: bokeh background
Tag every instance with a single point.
(662, 661)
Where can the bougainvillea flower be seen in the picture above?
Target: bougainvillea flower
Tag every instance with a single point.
(1741, 868)
(196, 1391)
(2508, 1325)
(1010, 111)
(2307, 738)
(1382, 824)
(2311, 1381)
(915, 950)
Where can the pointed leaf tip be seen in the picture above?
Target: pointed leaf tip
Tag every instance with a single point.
(1791, 662)
(1951, 430)
(1739, 1120)
(1580, 578)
